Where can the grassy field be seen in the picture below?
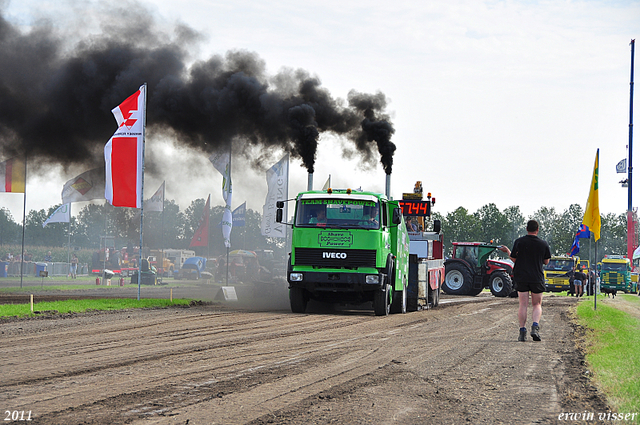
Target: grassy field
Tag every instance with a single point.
(81, 306)
(613, 350)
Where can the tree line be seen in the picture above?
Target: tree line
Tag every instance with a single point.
(175, 228)
(488, 223)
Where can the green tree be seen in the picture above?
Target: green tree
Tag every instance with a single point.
(10, 231)
(495, 225)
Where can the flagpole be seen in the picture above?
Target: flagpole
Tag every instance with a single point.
(24, 215)
(630, 222)
(144, 127)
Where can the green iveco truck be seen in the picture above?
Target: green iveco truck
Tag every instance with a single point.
(348, 247)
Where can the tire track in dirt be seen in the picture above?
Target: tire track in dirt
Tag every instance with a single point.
(210, 366)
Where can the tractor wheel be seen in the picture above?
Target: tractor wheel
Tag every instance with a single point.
(500, 284)
(297, 300)
(381, 304)
(457, 279)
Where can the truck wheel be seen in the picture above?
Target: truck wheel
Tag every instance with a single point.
(297, 300)
(399, 304)
(381, 305)
(457, 279)
(500, 284)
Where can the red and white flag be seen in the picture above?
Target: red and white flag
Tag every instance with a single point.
(201, 236)
(123, 153)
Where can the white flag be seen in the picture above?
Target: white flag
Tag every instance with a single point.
(156, 202)
(62, 214)
(222, 163)
(277, 190)
(636, 253)
(327, 184)
(621, 167)
(85, 187)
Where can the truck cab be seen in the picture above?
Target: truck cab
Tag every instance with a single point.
(348, 247)
(615, 274)
(558, 274)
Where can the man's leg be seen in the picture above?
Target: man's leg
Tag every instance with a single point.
(523, 303)
(536, 303)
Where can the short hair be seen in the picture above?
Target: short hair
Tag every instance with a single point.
(532, 226)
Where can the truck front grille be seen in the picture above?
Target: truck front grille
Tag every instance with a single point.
(335, 258)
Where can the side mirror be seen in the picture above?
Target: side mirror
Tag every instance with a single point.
(279, 214)
(437, 226)
(280, 204)
(397, 216)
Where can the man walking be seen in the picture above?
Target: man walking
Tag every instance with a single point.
(529, 254)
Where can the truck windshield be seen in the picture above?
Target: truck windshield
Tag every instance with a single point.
(559, 265)
(338, 213)
(614, 267)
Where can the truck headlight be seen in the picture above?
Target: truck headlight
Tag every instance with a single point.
(372, 278)
(295, 277)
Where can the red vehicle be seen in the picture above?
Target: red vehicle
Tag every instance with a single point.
(470, 270)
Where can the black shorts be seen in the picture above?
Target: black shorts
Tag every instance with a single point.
(534, 287)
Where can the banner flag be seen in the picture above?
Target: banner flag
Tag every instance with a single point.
(239, 215)
(123, 153)
(621, 167)
(201, 236)
(222, 163)
(277, 190)
(583, 232)
(84, 187)
(327, 184)
(636, 253)
(62, 214)
(591, 217)
(12, 175)
(156, 202)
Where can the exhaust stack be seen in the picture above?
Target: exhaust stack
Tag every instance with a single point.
(310, 182)
(387, 189)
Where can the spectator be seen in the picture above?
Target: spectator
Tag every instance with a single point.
(74, 266)
(48, 258)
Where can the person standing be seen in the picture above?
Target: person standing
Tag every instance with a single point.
(74, 266)
(580, 282)
(529, 254)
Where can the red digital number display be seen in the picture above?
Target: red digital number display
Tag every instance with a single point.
(415, 208)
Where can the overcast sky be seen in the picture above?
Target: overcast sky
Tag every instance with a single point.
(502, 102)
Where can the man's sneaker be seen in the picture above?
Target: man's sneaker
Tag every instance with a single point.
(535, 334)
(523, 335)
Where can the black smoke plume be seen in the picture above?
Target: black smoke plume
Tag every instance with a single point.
(56, 98)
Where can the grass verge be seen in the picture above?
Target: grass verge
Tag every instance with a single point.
(81, 306)
(613, 351)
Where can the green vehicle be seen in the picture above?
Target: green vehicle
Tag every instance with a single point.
(348, 247)
(615, 275)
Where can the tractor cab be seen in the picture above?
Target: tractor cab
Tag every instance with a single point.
(476, 254)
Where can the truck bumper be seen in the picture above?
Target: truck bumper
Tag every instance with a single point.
(335, 282)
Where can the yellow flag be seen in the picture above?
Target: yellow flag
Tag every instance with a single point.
(592, 211)
(12, 175)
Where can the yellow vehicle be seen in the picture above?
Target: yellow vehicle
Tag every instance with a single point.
(558, 274)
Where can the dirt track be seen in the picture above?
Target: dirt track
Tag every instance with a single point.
(214, 364)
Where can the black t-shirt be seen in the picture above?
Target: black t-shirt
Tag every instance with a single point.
(580, 276)
(529, 251)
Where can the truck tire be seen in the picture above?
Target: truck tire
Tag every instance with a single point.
(297, 300)
(457, 279)
(399, 304)
(381, 305)
(500, 284)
